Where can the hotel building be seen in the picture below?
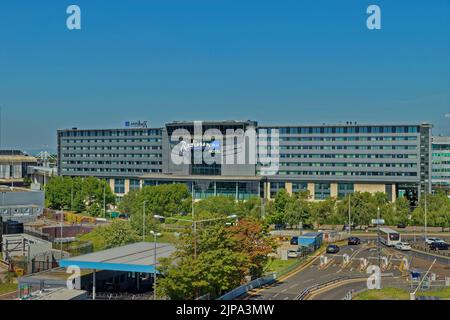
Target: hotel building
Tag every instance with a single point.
(327, 160)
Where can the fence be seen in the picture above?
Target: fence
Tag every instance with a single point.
(239, 291)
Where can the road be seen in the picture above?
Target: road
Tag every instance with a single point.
(290, 287)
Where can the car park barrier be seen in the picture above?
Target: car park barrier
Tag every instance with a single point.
(257, 283)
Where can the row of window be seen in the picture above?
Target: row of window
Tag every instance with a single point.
(338, 173)
(112, 155)
(444, 170)
(113, 148)
(111, 140)
(112, 133)
(441, 154)
(350, 156)
(333, 147)
(113, 170)
(443, 147)
(129, 163)
(347, 164)
(362, 129)
(383, 138)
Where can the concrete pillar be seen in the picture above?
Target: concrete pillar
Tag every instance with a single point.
(288, 186)
(127, 186)
(267, 191)
(111, 184)
(394, 192)
(311, 190)
(333, 190)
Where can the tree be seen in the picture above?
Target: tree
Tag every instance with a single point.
(119, 233)
(225, 256)
(78, 194)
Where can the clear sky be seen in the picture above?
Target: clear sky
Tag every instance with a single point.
(287, 61)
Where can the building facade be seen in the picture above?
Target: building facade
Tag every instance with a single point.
(14, 166)
(441, 163)
(243, 159)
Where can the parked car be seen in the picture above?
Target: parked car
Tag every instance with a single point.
(294, 241)
(294, 253)
(432, 240)
(403, 246)
(439, 246)
(345, 227)
(353, 241)
(332, 248)
(401, 225)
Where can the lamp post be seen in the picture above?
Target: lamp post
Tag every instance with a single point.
(194, 224)
(143, 220)
(155, 235)
(378, 233)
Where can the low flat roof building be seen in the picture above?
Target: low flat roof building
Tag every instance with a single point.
(136, 257)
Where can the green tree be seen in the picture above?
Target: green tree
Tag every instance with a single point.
(119, 233)
(225, 256)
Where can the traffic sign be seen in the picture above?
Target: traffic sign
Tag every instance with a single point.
(377, 221)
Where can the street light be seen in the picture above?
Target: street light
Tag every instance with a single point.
(143, 220)
(155, 234)
(194, 223)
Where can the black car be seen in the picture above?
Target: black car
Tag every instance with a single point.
(294, 241)
(439, 246)
(401, 225)
(353, 241)
(332, 248)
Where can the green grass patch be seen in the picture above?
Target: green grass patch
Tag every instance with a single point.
(443, 294)
(277, 265)
(97, 239)
(400, 294)
(383, 294)
(7, 287)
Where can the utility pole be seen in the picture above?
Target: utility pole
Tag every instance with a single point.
(143, 220)
(349, 215)
(71, 197)
(426, 220)
(104, 200)
(378, 232)
(155, 234)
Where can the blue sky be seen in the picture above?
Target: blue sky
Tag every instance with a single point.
(288, 61)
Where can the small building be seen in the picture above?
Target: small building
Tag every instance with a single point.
(14, 166)
(312, 240)
(126, 269)
(20, 204)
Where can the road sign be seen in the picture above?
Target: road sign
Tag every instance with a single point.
(377, 221)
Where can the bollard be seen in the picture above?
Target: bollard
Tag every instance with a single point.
(346, 259)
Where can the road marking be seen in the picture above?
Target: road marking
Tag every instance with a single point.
(287, 298)
(293, 286)
(282, 291)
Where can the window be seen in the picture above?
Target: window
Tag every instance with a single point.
(345, 189)
(119, 185)
(135, 184)
(321, 191)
